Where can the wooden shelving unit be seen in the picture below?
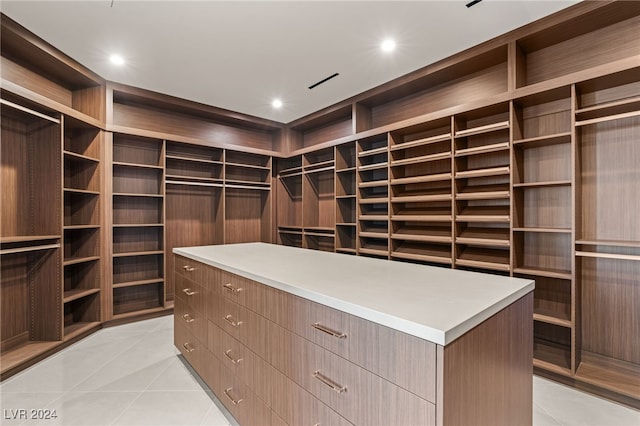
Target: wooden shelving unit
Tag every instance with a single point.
(421, 193)
(138, 224)
(318, 200)
(346, 198)
(30, 239)
(289, 201)
(607, 232)
(516, 158)
(482, 193)
(82, 234)
(194, 181)
(247, 197)
(372, 181)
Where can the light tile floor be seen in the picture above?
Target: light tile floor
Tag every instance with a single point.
(131, 375)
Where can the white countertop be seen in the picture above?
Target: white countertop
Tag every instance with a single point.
(436, 304)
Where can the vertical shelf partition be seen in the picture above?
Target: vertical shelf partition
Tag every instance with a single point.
(421, 193)
(318, 205)
(30, 234)
(482, 190)
(289, 201)
(138, 225)
(247, 197)
(346, 198)
(607, 125)
(373, 196)
(543, 221)
(81, 225)
(194, 182)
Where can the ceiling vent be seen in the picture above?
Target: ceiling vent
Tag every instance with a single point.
(324, 80)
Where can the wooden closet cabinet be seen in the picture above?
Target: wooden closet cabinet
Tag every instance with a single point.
(297, 361)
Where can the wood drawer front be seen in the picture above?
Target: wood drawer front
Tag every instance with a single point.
(188, 345)
(241, 401)
(194, 321)
(295, 406)
(209, 370)
(377, 348)
(231, 286)
(254, 332)
(358, 395)
(193, 294)
(191, 269)
(402, 359)
(228, 319)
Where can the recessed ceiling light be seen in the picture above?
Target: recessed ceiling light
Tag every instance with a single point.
(116, 59)
(388, 45)
(276, 103)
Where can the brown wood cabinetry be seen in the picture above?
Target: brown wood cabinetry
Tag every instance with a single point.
(516, 157)
(309, 363)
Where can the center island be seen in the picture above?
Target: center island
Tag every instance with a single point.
(285, 335)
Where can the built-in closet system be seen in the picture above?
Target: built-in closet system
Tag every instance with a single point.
(516, 157)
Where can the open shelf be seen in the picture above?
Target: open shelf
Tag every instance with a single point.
(616, 376)
(346, 238)
(483, 234)
(422, 252)
(439, 211)
(81, 173)
(483, 257)
(138, 299)
(483, 211)
(552, 347)
(430, 133)
(545, 140)
(432, 232)
(247, 215)
(319, 200)
(552, 298)
(374, 246)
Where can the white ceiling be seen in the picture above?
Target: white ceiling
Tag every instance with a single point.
(240, 55)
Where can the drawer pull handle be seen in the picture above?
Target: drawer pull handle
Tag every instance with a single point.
(188, 268)
(233, 401)
(187, 318)
(327, 381)
(188, 347)
(188, 291)
(227, 353)
(327, 330)
(229, 319)
(231, 288)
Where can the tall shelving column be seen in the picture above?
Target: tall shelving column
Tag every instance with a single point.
(421, 193)
(373, 196)
(82, 259)
(318, 198)
(542, 222)
(289, 201)
(346, 198)
(194, 215)
(138, 225)
(30, 233)
(482, 189)
(607, 127)
(247, 197)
